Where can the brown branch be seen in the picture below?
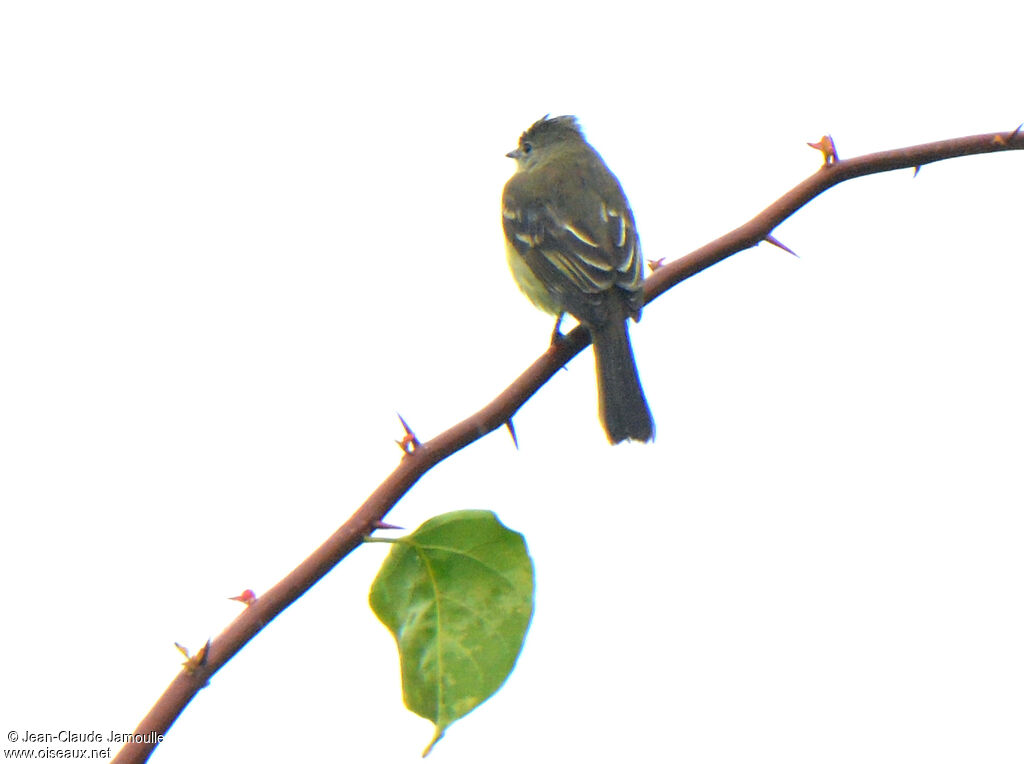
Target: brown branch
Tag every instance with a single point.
(495, 414)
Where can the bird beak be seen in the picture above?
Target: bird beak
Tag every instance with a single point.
(514, 154)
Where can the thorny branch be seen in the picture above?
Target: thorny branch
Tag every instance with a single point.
(420, 457)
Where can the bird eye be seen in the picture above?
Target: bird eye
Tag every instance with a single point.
(527, 147)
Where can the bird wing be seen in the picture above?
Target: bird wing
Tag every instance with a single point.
(583, 252)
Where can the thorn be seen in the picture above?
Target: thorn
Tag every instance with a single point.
(197, 660)
(380, 525)
(827, 147)
(512, 432)
(917, 169)
(655, 264)
(194, 662)
(772, 240)
(1004, 141)
(246, 598)
(409, 443)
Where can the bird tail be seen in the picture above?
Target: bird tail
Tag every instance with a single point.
(620, 399)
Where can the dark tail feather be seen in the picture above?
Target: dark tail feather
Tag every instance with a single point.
(620, 399)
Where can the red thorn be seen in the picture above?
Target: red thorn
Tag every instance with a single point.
(827, 147)
(246, 598)
(917, 169)
(655, 264)
(772, 240)
(383, 526)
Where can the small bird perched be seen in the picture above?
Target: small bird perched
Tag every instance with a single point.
(573, 248)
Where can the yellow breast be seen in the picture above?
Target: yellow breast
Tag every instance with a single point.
(528, 282)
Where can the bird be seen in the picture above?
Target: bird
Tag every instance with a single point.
(572, 246)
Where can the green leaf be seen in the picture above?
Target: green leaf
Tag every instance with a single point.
(457, 594)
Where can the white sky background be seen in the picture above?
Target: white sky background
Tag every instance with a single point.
(235, 238)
